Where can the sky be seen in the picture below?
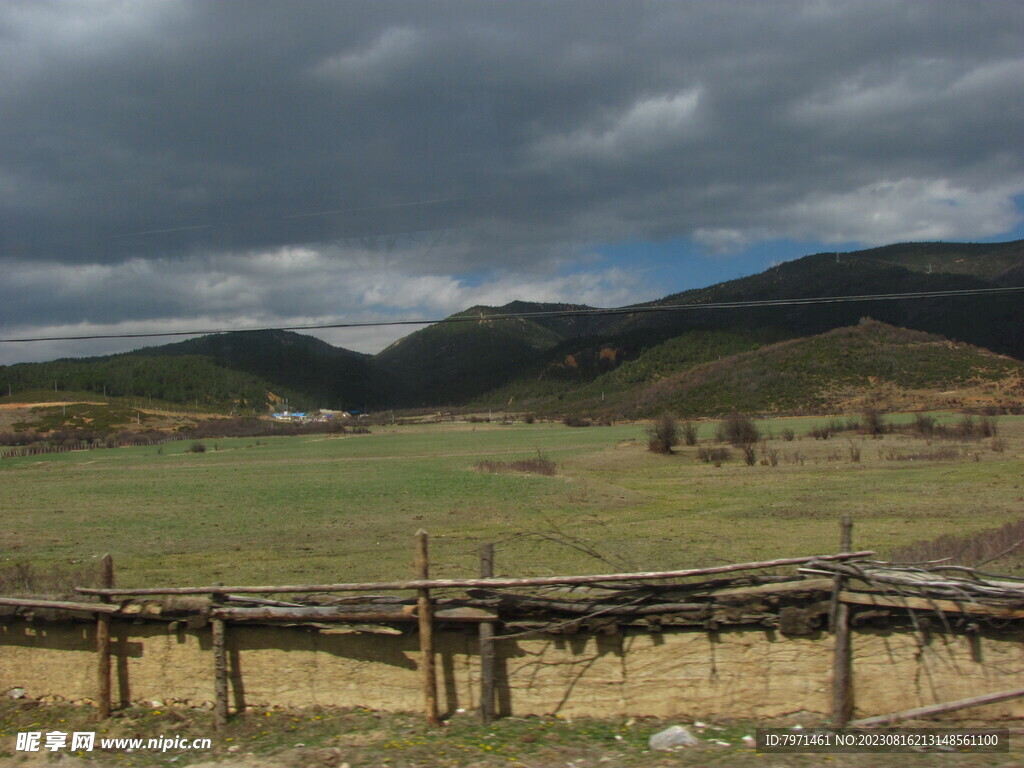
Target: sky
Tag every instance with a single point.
(173, 165)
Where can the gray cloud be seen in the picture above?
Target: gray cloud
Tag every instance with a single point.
(161, 147)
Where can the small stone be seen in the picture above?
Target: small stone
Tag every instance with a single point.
(671, 738)
(16, 693)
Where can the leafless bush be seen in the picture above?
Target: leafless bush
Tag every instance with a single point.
(854, 451)
(924, 424)
(196, 447)
(689, 432)
(937, 454)
(967, 426)
(26, 579)
(749, 454)
(873, 423)
(821, 432)
(1005, 544)
(663, 434)
(739, 430)
(575, 421)
(998, 444)
(539, 465)
(769, 455)
(713, 455)
(787, 434)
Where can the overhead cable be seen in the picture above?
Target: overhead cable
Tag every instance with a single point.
(466, 317)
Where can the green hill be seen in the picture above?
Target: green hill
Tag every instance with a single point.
(309, 372)
(186, 379)
(993, 322)
(821, 373)
(579, 374)
(453, 362)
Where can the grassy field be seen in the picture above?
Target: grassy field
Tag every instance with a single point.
(324, 509)
(363, 738)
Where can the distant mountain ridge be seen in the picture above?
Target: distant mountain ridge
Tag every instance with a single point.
(552, 359)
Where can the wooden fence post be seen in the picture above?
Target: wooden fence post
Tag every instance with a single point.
(842, 660)
(426, 626)
(104, 697)
(220, 666)
(486, 644)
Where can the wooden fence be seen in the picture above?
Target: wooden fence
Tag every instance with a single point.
(653, 598)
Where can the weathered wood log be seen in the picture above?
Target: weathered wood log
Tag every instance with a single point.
(528, 603)
(842, 660)
(328, 613)
(426, 627)
(261, 601)
(59, 605)
(486, 637)
(913, 579)
(531, 581)
(787, 588)
(930, 604)
(104, 697)
(220, 669)
(938, 709)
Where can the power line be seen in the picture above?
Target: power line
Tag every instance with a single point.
(585, 312)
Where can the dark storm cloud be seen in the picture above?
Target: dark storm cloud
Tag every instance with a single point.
(164, 144)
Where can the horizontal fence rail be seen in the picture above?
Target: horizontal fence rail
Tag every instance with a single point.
(532, 581)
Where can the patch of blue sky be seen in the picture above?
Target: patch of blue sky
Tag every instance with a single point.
(680, 264)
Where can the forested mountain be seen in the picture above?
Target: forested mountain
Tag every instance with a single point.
(563, 356)
(310, 372)
(186, 379)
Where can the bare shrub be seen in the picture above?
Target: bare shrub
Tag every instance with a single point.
(769, 455)
(689, 432)
(575, 421)
(821, 432)
(749, 454)
(872, 423)
(924, 424)
(713, 455)
(998, 444)
(967, 427)
(988, 426)
(26, 579)
(739, 430)
(529, 418)
(1005, 544)
(937, 454)
(787, 434)
(663, 434)
(197, 447)
(854, 451)
(539, 465)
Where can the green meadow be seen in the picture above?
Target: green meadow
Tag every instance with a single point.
(317, 509)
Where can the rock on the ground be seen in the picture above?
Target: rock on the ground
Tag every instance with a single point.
(670, 738)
